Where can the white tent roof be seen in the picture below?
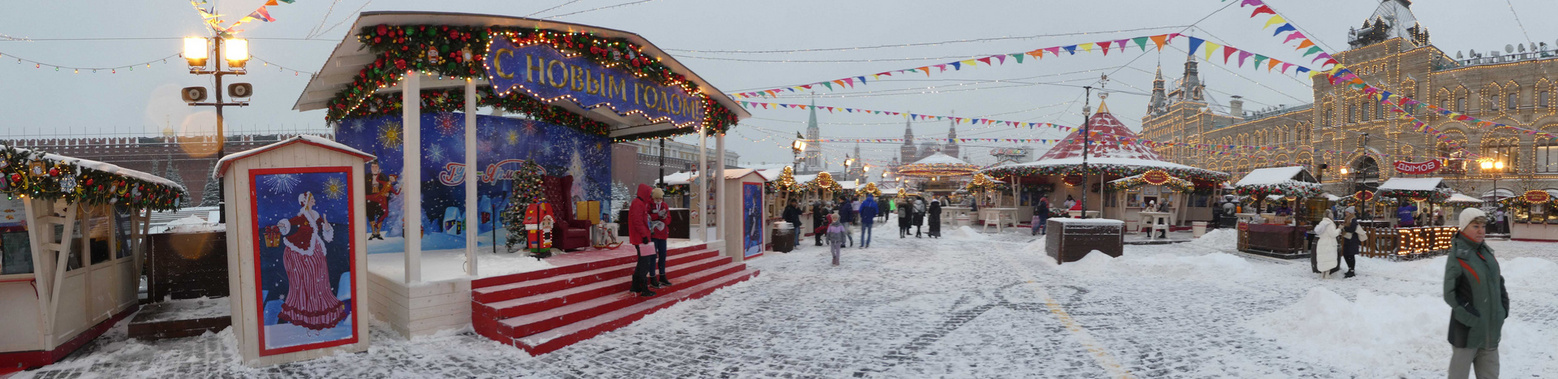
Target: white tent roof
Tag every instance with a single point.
(1412, 184)
(1459, 198)
(679, 178)
(1502, 193)
(939, 158)
(1271, 175)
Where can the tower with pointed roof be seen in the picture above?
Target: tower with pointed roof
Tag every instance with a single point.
(908, 153)
(1190, 86)
(951, 148)
(1159, 103)
(813, 154)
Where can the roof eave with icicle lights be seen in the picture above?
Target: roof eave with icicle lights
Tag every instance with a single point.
(351, 56)
(938, 164)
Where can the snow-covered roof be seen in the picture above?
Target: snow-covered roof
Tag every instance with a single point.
(1145, 164)
(1275, 175)
(221, 165)
(1412, 184)
(1087, 221)
(939, 158)
(1502, 193)
(677, 179)
(106, 167)
(1459, 198)
(733, 173)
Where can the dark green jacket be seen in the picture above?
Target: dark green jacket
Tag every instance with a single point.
(1474, 288)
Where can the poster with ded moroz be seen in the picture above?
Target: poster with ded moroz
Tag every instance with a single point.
(304, 258)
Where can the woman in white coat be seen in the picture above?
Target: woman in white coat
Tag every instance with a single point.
(1325, 247)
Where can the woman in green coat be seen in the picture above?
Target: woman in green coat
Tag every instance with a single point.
(1479, 303)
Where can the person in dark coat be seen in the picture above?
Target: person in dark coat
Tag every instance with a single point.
(1353, 236)
(792, 215)
(1040, 215)
(935, 218)
(1479, 302)
(638, 235)
(905, 216)
(919, 216)
(819, 216)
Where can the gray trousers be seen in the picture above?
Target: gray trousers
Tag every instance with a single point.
(1462, 360)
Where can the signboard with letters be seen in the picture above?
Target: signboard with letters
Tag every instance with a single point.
(1418, 168)
(544, 73)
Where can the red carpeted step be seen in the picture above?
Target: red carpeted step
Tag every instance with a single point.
(496, 293)
(569, 269)
(543, 301)
(557, 317)
(551, 340)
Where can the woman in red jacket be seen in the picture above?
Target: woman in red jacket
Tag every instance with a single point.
(638, 235)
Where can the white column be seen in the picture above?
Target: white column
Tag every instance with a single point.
(472, 213)
(719, 186)
(411, 173)
(703, 187)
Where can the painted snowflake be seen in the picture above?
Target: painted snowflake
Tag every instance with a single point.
(282, 183)
(335, 189)
(390, 136)
(435, 153)
(513, 137)
(531, 128)
(447, 124)
(356, 125)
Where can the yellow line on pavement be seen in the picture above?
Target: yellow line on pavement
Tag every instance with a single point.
(1101, 356)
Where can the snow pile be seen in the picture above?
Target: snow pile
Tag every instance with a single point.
(967, 232)
(193, 224)
(1527, 272)
(1211, 266)
(1375, 336)
(1217, 239)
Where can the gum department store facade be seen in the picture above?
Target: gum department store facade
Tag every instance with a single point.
(1344, 128)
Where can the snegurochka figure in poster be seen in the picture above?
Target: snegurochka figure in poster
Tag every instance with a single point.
(310, 303)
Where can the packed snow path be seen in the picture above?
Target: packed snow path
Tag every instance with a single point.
(973, 305)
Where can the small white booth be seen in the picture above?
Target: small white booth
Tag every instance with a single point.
(752, 200)
(72, 239)
(296, 258)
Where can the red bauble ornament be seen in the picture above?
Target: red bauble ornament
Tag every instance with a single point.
(381, 29)
(54, 172)
(88, 182)
(16, 177)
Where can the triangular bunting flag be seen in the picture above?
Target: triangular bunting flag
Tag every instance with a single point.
(1293, 36)
(1272, 64)
(1283, 28)
(1258, 59)
(1141, 42)
(1001, 58)
(1273, 21)
(1262, 9)
(1306, 43)
(1086, 47)
(1228, 52)
(985, 60)
(1071, 49)
(1312, 50)
(1195, 43)
(955, 66)
(1055, 50)
(1242, 56)
(1210, 48)
(1105, 45)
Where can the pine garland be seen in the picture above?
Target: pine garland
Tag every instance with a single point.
(32, 173)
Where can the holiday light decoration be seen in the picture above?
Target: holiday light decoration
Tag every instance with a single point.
(1435, 196)
(823, 181)
(447, 51)
(869, 189)
(983, 183)
(46, 176)
(1287, 189)
(1156, 178)
(1120, 170)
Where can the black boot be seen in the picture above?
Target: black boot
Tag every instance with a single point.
(1349, 274)
(646, 293)
(664, 283)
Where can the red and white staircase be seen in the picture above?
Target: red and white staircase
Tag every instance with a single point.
(546, 310)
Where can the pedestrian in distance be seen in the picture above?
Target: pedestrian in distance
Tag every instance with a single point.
(868, 210)
(905, 216)
(819, 217)
(1040, 215)
(1353, 237)
(792, 215)
(836, 232)
(919, 215)
(659, 232)
(1325, 248)
(638, 235)
(1479, 302)
(935, 218)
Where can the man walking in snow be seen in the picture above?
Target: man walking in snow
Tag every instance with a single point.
(1479, 303)
(868, 210)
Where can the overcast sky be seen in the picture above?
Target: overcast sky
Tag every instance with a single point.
(703, 34)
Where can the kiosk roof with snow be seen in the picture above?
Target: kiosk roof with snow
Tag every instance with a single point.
(1113, 149)
(938, 164)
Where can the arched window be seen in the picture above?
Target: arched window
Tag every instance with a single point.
(1502, 147)
(1547, 153)
(1512, 100)
(1541, 99)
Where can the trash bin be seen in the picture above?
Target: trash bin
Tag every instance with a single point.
(783, 237)
(1197, 228)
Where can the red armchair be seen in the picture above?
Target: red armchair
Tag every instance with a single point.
(567, 234)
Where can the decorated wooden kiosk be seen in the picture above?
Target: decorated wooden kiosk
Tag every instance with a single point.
(295, 249)
(1425, 238)
(1533, 216)
(72, 241)
(406, 87)
(1114, 153)
(1277, 234)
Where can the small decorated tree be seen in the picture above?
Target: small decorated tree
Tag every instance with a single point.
(527, 190)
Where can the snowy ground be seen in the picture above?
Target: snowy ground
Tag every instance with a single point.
(974, 305)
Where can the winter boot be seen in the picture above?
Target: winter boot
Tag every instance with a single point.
(664, 283)
(1349, 274)
(646, 293)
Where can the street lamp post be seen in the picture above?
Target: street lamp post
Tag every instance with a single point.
(795, 150)
(1087, 120)
(237, 57)
(1495, 167)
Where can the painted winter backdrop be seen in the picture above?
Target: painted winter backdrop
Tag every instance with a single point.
(502, 141)
(276, 199)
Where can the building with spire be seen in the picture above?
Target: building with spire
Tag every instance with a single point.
(908, 153)
(812, 160)
(1345, 128)
(951, 148)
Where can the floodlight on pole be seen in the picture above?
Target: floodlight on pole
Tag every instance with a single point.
(195, 51)
(237, 52)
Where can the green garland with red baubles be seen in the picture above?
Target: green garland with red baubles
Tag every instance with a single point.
(459, 51)
(32, 173)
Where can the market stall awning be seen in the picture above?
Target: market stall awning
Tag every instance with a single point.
(1459, 198)
(1502, 194)
(1119, 166)
(349, 63)
(937, 164)
(1276, 175)
(57, 177)
(1430, 189)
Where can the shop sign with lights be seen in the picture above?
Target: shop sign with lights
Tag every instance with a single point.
(1156, 177)
(543, 72)
(1536, 196)
(1418, 168)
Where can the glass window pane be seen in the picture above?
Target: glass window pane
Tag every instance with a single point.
(15, 252)
(97, 233)
(122, 231)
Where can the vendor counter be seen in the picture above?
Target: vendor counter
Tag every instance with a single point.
(1277, 240)
(1521, 231)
